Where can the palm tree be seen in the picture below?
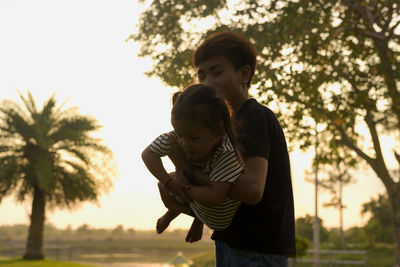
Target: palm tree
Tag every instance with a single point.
(50, 157)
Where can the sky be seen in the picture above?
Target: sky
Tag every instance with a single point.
(77, 50)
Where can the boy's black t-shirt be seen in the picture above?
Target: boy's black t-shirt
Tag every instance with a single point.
(268, 226)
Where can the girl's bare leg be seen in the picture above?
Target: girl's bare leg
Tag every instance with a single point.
(171, 203)
(174, 209)
(164, 221)
(195, 232)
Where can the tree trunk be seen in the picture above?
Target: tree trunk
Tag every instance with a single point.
(395, 203)
(342, 240)
(34, 246)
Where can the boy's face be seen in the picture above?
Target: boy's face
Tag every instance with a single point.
(220, 72)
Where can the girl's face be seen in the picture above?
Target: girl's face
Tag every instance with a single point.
(196, 140)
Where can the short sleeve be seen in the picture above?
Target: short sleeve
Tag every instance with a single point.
(161, 145)
(227, 168)
(254, 130)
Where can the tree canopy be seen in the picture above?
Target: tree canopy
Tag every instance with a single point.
(53, 149)
(331, 63)
(378, 227)
(49, 155)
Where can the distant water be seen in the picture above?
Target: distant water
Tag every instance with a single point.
(128, 264)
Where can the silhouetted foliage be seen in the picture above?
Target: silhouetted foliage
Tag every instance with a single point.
(378, 228)
(304, 228)
(51, 157)
(337, 62)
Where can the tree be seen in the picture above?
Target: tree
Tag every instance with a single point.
(378, 227)
(356, 236)
(118, 230)
(49, 155)
(84, 229)
(338, 177)
(335, 61)
(304, 228)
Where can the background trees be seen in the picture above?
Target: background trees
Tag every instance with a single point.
(334, 61)
(51, 157)
(338, 177)
(378, 228)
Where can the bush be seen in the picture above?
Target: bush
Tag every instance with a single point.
(302, 245)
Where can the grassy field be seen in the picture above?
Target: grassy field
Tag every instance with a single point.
(139, 247)
(379, 255)
(41, 263)
(145, 247)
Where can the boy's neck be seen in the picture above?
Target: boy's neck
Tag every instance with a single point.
(236, 104)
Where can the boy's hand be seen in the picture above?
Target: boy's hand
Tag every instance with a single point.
(181, 178)
(168, 199)
(177, 156)
(176, 186)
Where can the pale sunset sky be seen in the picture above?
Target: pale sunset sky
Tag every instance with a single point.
(77, 50)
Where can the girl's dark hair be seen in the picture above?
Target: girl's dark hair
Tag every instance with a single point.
(203, 104)
(233, 46)
(175, 96)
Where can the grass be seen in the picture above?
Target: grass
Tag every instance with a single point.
(379, 255)
(140, 247)
(148, 247)
(39, 263)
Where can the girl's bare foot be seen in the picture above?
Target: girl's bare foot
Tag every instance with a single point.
(164, 221)
(195, 232)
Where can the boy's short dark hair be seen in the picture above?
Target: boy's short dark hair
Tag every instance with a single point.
(233, 46)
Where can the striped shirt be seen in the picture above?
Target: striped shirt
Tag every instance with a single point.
(222, 166)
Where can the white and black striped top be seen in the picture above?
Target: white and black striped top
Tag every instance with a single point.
(222, 166)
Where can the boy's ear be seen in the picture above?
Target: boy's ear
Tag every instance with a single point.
(246, 73)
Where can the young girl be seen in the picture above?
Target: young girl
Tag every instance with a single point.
(202, 128)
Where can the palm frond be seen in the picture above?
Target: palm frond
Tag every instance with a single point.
(73, 185)
(47, 113)
(78, 153)
(75, 129)
(55, 152)
(11, 105)
(8, 175)
(24, 190)
(15, 124)
(29, 103)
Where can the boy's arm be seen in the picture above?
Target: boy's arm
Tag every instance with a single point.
(249, 187)
(212, 194)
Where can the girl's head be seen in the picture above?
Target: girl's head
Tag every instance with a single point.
(200, 118)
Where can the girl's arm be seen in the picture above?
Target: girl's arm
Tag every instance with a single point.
(212, 194)
(154, 165)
